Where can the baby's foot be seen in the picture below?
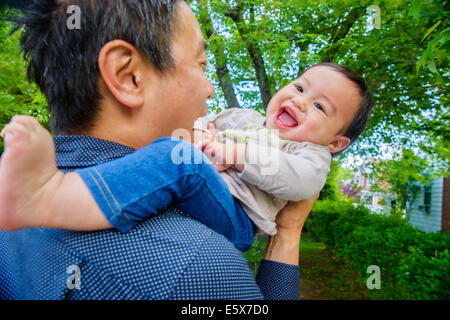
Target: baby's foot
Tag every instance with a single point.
(27, 168)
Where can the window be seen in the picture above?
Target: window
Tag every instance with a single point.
(427, 198)
(375, 201)
(357, 179)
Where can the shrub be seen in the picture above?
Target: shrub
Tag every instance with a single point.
(413, 264)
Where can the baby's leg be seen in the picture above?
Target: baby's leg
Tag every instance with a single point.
(167, 172)
(33, 192)
(128, 190)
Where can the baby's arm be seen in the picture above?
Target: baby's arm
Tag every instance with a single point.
(288, 176)
(223, 155)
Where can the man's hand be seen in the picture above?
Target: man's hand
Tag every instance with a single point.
(294, 214)
(284, 246)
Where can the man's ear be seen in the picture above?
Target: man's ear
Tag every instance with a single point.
(119, 63)
(338, 144)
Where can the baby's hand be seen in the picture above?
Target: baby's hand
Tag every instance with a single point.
(225, 155)
(202, 138)
(212, 128)
(220, 154)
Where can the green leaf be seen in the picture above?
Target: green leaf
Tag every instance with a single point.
(432, 29)
(432, 67)
(414, 11)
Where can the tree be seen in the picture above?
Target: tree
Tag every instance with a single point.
(337, 174)
(404, 175)
(256, 47)
(261, 45)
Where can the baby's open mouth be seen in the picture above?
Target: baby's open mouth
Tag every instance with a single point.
(285, 119)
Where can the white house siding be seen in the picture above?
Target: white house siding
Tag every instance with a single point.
(419, 218)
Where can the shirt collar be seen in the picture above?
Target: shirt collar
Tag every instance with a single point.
(86, 151)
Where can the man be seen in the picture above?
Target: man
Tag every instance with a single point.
(132, 72)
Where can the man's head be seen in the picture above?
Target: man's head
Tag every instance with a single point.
(110, 70)
(328, 104)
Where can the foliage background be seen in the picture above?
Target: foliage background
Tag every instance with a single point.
(17, 95)
(258, 46)
(255, 47)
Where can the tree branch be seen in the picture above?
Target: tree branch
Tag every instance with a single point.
(341, 33)
(223, 74)
(236, 14)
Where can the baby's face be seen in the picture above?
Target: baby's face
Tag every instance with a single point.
(317, 107)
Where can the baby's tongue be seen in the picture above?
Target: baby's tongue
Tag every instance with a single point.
(287, 120)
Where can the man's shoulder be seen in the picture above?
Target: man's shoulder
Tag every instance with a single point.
(155, 260)
(169, 256)
(157, 251)
(172, 256)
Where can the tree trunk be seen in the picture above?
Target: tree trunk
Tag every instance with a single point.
(223, 74)
(255, 54)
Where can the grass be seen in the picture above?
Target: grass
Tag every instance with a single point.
(327, 277)
(307, 245)
(323, 276)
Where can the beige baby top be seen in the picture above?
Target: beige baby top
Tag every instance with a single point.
(275, 170)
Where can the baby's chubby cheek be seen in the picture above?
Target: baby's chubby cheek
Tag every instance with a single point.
(269, 123)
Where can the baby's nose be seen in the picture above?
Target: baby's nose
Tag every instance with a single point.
(299, 103)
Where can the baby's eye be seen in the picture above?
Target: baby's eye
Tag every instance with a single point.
(299, 88)
(318, 106)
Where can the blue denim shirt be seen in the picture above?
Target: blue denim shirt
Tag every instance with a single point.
(170, 256)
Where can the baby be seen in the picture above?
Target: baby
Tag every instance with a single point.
(263, 161)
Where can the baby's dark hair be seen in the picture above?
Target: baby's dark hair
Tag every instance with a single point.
(361, 118)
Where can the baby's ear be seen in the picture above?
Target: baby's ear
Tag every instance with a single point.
(339, 143)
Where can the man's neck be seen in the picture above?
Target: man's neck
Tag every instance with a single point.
(120, 139)
(129, 127)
